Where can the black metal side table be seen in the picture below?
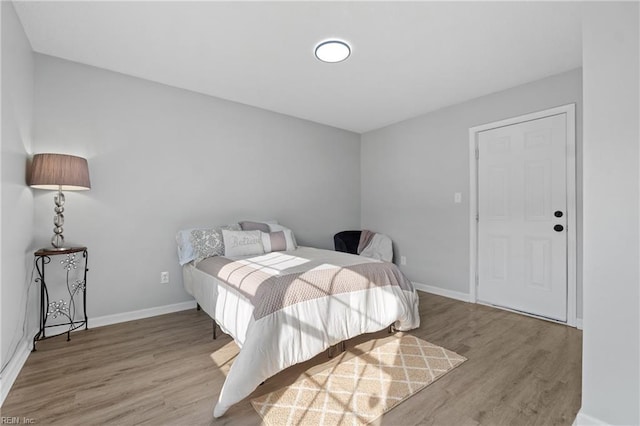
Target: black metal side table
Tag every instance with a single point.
(77, 288)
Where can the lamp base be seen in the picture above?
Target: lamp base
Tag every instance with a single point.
(57, 240)
(58, 220)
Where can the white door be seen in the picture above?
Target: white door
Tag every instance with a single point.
(522, 211)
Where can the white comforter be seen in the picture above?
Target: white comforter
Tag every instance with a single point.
(297, 331)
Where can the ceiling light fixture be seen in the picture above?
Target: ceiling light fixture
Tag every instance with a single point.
(333, 51)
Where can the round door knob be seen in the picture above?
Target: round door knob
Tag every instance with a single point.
(558, 228)
(557, 213)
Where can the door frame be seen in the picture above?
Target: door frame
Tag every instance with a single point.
(570, 111)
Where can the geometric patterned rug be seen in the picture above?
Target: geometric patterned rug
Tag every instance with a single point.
(361, 389)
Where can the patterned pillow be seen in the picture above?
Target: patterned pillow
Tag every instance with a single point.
(200, 243)
(209, 242)
(206, 243)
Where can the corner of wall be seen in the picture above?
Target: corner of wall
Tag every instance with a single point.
(16, 222)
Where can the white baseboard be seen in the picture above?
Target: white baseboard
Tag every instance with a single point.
(128, 316)
(586, 420)
(451, 294)
(15, 365)
(143, 313)
(22, 353)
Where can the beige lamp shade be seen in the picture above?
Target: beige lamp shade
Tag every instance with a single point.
(59, 172)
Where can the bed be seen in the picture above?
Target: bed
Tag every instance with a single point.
(285, 307)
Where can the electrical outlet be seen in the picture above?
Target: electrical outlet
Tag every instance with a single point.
(457, 197)
(164, 277)
(403, 260)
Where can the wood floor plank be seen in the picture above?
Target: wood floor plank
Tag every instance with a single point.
(167, 370)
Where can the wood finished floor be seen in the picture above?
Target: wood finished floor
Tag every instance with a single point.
(168, 370)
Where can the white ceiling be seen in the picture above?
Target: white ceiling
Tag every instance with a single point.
(407, 58)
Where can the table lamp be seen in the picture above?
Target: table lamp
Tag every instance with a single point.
(59, 172)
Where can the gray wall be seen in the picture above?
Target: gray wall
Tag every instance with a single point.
(611, 345)
(411, 170)
(162, 159)
(17, 200)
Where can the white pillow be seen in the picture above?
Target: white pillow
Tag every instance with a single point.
(242, 243)
(288, 233)
(185, 248)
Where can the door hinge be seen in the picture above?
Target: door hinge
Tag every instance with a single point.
(477, 153)
(477, 217)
